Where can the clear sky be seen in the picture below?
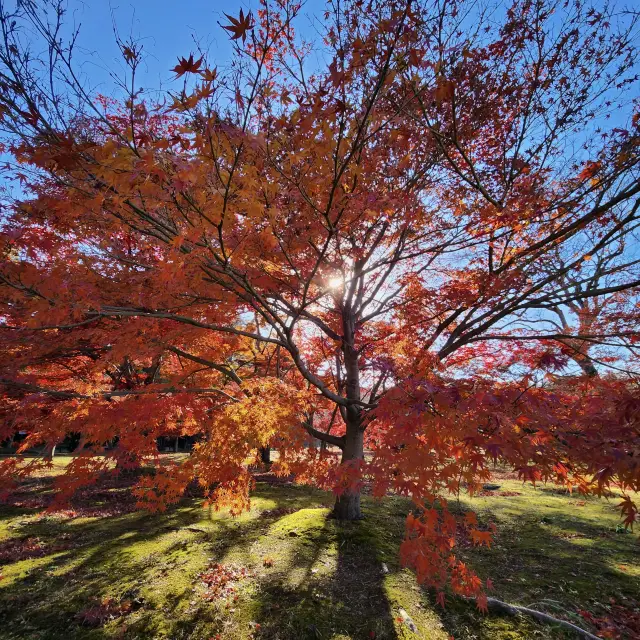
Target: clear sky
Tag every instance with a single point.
(166, 29)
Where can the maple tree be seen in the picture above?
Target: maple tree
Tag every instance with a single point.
(402, 250)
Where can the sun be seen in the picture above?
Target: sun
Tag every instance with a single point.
(335, 283)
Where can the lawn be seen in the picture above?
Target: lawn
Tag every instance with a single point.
(285, 571)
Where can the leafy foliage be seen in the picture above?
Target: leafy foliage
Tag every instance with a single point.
(426, 248)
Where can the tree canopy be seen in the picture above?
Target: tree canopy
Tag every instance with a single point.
(422, 246)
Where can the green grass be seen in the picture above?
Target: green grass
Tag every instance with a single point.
(322, 580)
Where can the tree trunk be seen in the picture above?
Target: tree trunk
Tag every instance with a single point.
(347, 506)
(587, 366)
(265, 455)
(580, 355)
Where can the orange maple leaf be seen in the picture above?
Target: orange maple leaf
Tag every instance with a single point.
(589, 170)
(470, 518)
(629, 510)
(481, 537)
(444, 91)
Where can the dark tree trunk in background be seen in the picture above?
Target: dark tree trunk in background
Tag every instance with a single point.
(265, 455)
(587, 366)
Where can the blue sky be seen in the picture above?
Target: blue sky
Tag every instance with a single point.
(166, 29)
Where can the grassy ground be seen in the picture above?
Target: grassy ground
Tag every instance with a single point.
(285, 571)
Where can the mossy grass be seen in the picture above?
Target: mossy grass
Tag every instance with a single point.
(307, 575)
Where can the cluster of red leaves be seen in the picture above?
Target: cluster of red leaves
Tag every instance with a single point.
(28, 494)
(428, 549)
(448, 435)
(277, 512)
(621, 620)
(14, 550)
(110, 495)
(502, 494)
(220, 580)
(102, 611)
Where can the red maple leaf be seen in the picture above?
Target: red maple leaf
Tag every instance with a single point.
(239, 26)
(129, 53)
(187, 66)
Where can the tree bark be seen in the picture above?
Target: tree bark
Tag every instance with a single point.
(580, 355)
(587, 366)
(347, 506)
(265, 455)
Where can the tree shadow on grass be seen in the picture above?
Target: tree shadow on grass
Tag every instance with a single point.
(119, 557)
(332, 587)
(151, 562)
(84, 562)
(325, 581)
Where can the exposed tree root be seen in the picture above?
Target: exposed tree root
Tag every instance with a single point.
(511, 609)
